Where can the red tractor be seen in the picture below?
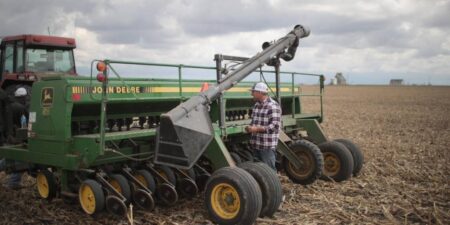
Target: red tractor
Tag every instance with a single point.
(24, 60)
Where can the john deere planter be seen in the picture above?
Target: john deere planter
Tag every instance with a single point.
(107, 141)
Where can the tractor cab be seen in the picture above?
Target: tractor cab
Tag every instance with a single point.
(24, 60)
(28, 58)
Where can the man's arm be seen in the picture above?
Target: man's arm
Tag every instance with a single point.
(274, 117)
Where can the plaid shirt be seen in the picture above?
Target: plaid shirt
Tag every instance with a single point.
(266, 114)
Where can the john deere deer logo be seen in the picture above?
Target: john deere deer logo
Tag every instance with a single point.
(47, 97)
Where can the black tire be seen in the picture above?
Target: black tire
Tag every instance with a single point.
(187, 187)
(167, 173)
(190, 173)
(147, 179)
(143, 199)
(237, 159)
(120, 183)
(46, 184)
(166, 194)
(338, 161)
(247, 156)
(358, 157)
(312, 159)
(116, 206)
(270, 185)
(235, 183)
(99, 197)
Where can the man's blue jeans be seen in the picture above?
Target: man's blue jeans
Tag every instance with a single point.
(14, 178)
(266, 156)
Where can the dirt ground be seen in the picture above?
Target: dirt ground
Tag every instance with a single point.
(404, 133)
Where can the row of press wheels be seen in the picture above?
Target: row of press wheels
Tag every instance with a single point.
(335, 160)
(233, 195)
(115, 191)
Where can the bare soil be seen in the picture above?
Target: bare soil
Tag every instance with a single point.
(404, 133)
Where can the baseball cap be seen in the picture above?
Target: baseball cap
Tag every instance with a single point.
(20, 92)
(260, 87)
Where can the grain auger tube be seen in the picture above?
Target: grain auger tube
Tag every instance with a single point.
(186, 130)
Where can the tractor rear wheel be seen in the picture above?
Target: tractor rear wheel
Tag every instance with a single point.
(272, 192)
(233, 196)
(311, 158)
(338, 161)
(358, 157)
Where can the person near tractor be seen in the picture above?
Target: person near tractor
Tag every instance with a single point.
(16, 111)
(265, 125)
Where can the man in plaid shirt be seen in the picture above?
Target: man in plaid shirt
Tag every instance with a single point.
(265, 126)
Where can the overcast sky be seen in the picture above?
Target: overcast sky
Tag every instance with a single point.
(368, 41)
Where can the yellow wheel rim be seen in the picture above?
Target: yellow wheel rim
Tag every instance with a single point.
(306, 169)
(225, 201)
(332, 164)
(163, 174)
(87, 199)
(141, 179)
(42, 185)
(116, 185)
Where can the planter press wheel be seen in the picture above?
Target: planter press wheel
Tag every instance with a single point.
(146, 179)
(237, 159)
(201, 180)
(270, 185)
(46, 184)
(91, 197)
(248, 156)
(187, 187)
(167, 173)
(312, 160)
(358, 157)
(116, 206)
(338, 161)
(167, 194)
(232, 196)
(143, 199)
(120, 183)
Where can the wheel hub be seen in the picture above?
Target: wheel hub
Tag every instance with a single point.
(332, 164)
(42, 185)
(225, 201)
(307, 165)
(87, 199)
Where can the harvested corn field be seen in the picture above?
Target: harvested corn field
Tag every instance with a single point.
(404, 133)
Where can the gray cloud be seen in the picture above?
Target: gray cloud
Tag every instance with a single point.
(417, 29)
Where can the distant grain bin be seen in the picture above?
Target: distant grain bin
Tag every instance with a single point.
(333, 81)
(396, 82)
(340, 79)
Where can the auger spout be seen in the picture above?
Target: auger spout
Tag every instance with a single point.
(186, 130)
